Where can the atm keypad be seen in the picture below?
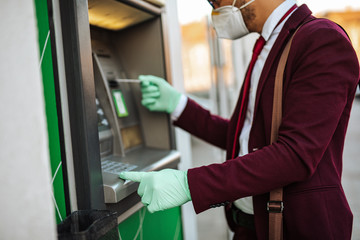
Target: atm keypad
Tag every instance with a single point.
(116, 167)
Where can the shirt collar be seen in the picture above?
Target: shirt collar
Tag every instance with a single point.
(275, 17)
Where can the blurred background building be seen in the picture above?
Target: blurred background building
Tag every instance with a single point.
(213, 74)
(349, 19)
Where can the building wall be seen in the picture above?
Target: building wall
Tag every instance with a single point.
(350, 21)
(196, 57)
(25, 189)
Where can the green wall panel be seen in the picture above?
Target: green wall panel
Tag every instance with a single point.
(50, 108)
(144, 225)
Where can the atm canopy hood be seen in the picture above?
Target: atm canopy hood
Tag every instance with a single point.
(116, 15)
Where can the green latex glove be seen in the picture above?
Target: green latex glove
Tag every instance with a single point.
(158, 95)
(161, 190)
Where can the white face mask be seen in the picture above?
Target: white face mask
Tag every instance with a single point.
(229, 22)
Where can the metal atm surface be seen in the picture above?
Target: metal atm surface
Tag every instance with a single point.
(116, 189)
(133, 139)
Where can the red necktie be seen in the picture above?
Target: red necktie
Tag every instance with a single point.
(245, 98)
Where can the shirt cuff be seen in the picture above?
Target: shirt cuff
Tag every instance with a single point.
(179, 108)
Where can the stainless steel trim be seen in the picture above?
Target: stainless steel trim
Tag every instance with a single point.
(64, 105)
(143, 6)
(114, 188)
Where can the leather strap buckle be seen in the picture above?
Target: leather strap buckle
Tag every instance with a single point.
(275, 206)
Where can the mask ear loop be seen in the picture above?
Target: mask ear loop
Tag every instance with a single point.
(245, 5)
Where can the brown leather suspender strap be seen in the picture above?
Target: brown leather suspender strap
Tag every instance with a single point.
(275, 206)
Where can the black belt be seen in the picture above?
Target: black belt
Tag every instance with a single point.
(242, 219)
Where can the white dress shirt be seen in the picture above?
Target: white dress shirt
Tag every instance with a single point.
(270, 33)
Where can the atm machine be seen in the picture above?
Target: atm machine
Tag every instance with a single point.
(131, 138)
(107, 45)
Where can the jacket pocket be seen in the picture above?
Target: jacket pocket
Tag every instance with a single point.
(312, 190)
(320, 212)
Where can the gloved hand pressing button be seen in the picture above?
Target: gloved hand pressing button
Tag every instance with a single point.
(158, 95)
(161, 190)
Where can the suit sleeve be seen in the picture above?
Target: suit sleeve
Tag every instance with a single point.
(204, 125)
(323, 77)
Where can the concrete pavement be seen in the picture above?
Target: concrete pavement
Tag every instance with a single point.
(351, 170)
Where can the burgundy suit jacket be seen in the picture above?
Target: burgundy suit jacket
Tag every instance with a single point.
(319, 87)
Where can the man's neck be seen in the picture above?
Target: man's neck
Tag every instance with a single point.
(263, 9)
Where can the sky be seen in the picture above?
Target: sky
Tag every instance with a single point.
(194, 10)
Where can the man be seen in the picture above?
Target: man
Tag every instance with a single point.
(320, 80)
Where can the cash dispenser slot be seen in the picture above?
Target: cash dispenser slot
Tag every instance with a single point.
(131, 138)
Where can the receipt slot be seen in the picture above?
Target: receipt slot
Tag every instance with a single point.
(107, 45)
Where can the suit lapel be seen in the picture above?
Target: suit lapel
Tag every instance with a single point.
(290, 26)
